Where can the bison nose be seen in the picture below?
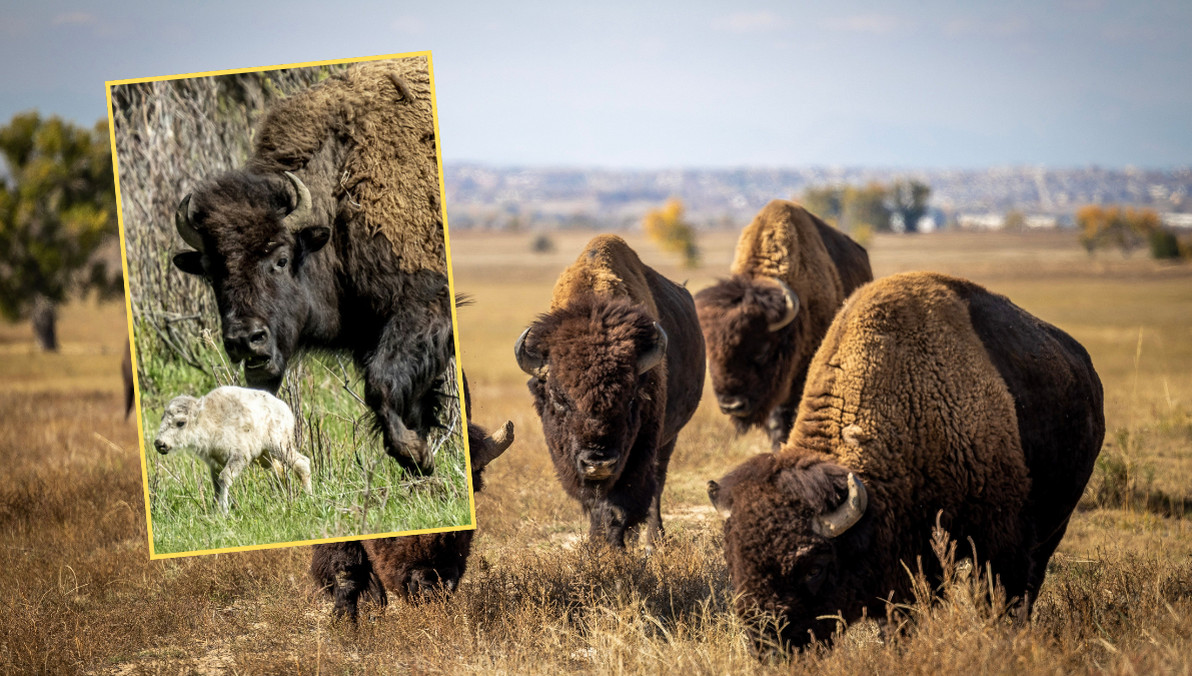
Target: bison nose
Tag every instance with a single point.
(731, 405)
(596, 465)
(161, 446)
(247, 340)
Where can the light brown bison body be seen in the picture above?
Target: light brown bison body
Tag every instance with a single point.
(791, 273)
(929, 394)
(618, 369)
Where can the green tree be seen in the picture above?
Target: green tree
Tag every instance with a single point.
(867, 206)
(825, 203)
(666, 228)
(908, 199)
(57, 209)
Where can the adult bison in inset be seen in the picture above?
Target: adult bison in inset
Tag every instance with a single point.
(791, 273)
(618, 369)
(928, 394)
(411, 566)
(331, 237)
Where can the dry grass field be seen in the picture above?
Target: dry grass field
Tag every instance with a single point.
(79, 593)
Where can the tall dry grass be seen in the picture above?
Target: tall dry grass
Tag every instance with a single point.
(83, 596)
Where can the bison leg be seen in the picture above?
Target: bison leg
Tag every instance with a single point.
(343, 572)
(781, 419)
(654, 526)
(224, 479)
(400, 376)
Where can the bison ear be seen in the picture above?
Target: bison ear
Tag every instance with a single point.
(719, 499)
(190, 262)
(313, 239)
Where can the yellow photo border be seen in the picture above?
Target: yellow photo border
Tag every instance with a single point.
(458, 369)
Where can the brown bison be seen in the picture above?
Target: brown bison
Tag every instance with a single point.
(791, 273)
(412, 566)
(928, 394)
(618, 369)
(331, 237)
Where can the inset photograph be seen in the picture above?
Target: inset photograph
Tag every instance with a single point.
(291, 304)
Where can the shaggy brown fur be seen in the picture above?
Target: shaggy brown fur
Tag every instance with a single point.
(362, 269)
(757, 374)
(596, 410)
(938, 396)
(410, 567)
(388, 170)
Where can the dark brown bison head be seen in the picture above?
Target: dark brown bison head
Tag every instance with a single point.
(253, 237)
(590, 362)
(750, 335)
(796, 543)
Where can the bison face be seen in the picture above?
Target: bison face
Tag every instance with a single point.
(750, 333)
(253, 243)
(795, 547)
(591, 364)
(175, 421)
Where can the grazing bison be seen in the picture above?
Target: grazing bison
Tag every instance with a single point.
(127, 376)
(618, 369)
(928, 393)
(331, 237)
(228, 429)
(791, 273)
(411, 566)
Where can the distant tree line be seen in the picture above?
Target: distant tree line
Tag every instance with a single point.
(861, 210)
(1125, 228)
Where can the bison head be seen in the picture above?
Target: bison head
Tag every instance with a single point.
(173, 432)
(591, 363)
(796, 545)
(750, 335)
(253, 237)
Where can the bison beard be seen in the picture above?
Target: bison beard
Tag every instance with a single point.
(297, 258)
(928, 394)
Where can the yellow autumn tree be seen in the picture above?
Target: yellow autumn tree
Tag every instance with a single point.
(667, 229)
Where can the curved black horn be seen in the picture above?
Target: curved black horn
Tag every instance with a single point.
(297, 217)
(655, 354)
(833, 523)
(528, 364)
(793, 306)
(183, 224)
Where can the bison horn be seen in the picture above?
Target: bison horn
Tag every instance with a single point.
(297, 217)
(793, 307)
(183, 224)
(528, 364)
(834, 523)
(655, 354)
(496, 444)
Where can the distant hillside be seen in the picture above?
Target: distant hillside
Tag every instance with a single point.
(491, 197)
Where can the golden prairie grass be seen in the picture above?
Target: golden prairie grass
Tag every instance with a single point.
(81, 594)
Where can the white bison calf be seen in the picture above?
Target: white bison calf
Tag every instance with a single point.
(230, 427)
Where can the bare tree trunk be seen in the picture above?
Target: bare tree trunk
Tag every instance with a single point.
(44, 317)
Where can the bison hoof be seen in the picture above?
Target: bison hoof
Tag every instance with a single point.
(413, 454)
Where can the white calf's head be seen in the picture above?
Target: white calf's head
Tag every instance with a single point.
(175, 421)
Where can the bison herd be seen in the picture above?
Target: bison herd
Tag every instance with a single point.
(888, 404)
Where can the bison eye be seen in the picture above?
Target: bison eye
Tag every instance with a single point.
(179, 423)
(281, 263)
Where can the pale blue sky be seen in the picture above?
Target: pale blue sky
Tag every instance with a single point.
(686, 84)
